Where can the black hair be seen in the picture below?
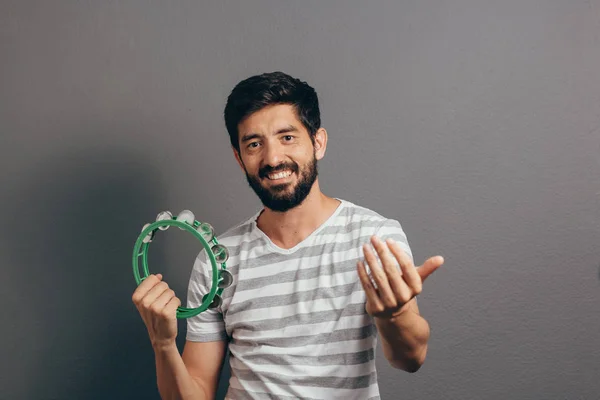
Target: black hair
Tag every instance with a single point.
(259, 91)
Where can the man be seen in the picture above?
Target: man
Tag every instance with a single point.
(316, 279)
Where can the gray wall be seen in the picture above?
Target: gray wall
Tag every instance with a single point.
(475, 123)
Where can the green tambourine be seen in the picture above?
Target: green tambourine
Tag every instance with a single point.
(204, 232)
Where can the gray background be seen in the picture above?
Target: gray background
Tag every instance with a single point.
(474, 123)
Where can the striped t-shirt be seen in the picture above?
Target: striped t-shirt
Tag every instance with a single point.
(295, 318)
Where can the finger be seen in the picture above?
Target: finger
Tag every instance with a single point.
(368, 287)
(430, 266)
(162, 300)
(170, 309)
(383, 286)
(391, 269)
(154, 293)
(144, 287)
(409, 272)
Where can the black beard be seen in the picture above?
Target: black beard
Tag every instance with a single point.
(273, 198)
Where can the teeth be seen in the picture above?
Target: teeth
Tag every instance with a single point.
(280, 175)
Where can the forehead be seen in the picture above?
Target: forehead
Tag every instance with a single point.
(269, 119)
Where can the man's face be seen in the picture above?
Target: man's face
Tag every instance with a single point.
(278, 156)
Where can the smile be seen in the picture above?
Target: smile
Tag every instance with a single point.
(279, 175)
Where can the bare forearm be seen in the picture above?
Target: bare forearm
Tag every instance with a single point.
(174, 380)
(404, 340)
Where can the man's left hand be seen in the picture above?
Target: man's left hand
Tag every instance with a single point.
(395, 287)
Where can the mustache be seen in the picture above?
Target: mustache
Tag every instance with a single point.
(267, 169)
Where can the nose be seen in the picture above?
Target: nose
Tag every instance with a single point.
(273, 155)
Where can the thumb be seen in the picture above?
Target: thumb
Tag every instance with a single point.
(430, 266)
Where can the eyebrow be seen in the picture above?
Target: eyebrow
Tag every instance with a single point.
(249, 136)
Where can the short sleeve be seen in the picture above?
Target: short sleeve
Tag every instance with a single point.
(208, 326)
(391, 229)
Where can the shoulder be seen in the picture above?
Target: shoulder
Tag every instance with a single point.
(356, 213)
(232, 238)
(239, 232)
(369, 222)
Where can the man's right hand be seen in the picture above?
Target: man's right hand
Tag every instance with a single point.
(157, 304)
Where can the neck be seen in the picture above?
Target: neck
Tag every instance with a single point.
(287, 229)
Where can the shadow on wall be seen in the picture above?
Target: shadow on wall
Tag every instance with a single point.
(74, 219)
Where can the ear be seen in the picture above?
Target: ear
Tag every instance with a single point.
(238, 158)
(320, 143)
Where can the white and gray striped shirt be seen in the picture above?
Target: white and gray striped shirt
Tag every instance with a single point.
(295, 318)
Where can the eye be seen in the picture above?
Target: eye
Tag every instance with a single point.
(253, 145)
(288, 138)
